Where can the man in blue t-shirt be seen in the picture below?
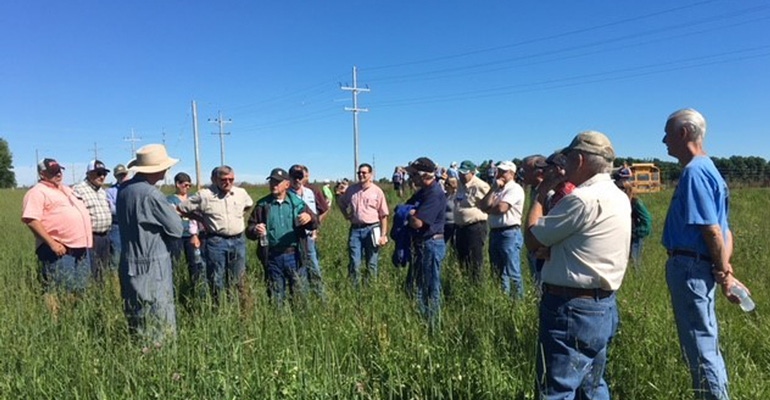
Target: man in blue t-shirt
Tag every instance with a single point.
(427, 222)
(699, 244)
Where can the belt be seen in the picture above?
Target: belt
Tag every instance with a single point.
(473, 223)
(101, 233)
(434, 237)
(238, 236)
(359, 226)
(691, 254)
(505, 228)
(571, 292)
(278, 252)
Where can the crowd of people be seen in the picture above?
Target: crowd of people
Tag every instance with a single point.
(580, 231)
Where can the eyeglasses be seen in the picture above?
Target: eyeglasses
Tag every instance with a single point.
(227, 179)
(362, 173)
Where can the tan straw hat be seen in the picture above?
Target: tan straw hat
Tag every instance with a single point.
(150, 159)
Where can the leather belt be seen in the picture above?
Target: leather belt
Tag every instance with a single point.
(101, 233)
(505, 228)
(224, 236)
(360, 226)
(278, 252)
(571, 292)
(438, 236)
(691, 254)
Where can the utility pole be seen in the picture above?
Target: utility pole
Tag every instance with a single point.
(96, 151)
(221, 122)
(355, 89)
(195, 139)
(133, 139)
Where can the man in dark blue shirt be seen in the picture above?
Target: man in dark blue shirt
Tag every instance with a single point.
(427, 221)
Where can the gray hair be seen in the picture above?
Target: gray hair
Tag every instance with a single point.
(222, 170)
(596, 163)
(690, 120)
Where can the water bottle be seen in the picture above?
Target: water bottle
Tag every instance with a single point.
(263, 240)
(747, 304)
(198, 258)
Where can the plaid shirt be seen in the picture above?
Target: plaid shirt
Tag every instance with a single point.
(96, 202)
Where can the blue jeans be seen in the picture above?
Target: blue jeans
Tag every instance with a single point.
(100, 256)
(360, 240)
(284, 272)
(637, 245)
(505, 256)
(315, 281)
(692, 289)
(148, 300)
(68, 273)
(225, 263)
(115, 245)
(427, 271)
(572, 352)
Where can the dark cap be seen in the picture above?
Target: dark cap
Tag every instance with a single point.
(422, 164)
(49, 166)
(466, 166)
(278, 174)
(96, 165)
(120, 170)
(557, 159)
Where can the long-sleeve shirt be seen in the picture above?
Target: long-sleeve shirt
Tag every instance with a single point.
(147, 222)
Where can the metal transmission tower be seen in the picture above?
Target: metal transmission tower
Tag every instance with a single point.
(355, 89)
(221, 122)
(95, 149)
(133, 139)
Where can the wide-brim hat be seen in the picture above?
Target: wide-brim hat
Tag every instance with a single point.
(150, 159)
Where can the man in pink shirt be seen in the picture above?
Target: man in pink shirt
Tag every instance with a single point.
(364, 205)
(62, 228)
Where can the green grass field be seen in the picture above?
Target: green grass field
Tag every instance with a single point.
(365, 344)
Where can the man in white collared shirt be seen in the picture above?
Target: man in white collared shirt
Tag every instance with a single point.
(586, 236)
(504, 205)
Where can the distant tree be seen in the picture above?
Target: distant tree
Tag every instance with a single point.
(7, 175)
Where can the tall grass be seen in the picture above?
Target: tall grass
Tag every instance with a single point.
(361, 344)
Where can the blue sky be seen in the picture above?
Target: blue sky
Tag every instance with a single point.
(451, 80)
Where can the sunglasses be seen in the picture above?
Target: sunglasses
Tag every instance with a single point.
(227, 179)
(362, 172)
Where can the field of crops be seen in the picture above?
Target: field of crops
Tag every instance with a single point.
(362, 344)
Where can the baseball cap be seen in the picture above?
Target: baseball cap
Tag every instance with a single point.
(119, 170)
(49, 166)
(422, 164)
(279, 174)
(557, 158)
(507, 166)
(466, 167)
(592, 142)
(96, 165)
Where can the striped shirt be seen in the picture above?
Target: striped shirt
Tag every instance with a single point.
(95, 199)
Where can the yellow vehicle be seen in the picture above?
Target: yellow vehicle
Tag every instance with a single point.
(645, 177)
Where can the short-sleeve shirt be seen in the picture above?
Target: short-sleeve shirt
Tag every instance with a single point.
(588, 232)
(468, 196)
(63, 216)
(700, 199)
(513, 194)
(95, 199)
(431, 209)
(364, 206)
(222, 212)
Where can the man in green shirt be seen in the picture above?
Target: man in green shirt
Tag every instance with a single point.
(280, 222)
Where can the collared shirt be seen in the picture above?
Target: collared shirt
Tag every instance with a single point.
(63, 216)
(430, 203)
(95, 199)
(468, 195)
(513, 194)
(588, 233)
(701, 198)
(364, 206)
(174, 200)
(281, 218)
(112, 197)
(222, 212)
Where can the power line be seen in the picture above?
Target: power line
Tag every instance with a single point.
(221, 122)
(355, 110)
(132, 139)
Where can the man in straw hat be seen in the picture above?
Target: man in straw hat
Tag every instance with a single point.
(147, 223)
(62, 229)
(586, 235)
